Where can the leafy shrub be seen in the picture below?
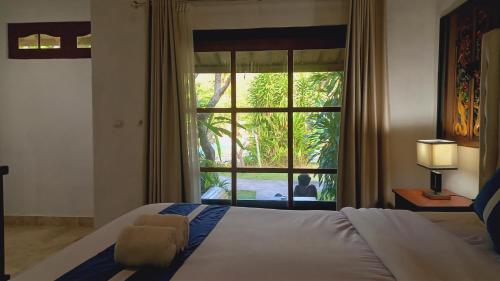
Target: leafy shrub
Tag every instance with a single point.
(209, 180)
(323, 141)
(267, 131)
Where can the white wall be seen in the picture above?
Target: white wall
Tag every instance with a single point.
(270, 13)
(45, 120)
(465, 180)
(412, 45)
(119, 56)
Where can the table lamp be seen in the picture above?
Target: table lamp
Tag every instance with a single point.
(437, 155)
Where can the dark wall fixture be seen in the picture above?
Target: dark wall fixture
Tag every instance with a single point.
(4, 170)
(49, 40)
(318, 37)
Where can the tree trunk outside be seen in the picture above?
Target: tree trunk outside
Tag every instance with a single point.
(205, 144)
(203, 133)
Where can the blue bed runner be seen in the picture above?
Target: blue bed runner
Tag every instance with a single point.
(102, 266)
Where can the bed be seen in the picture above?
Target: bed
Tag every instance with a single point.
(235, 243)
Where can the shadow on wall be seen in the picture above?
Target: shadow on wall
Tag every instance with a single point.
(465, 180)
(403, 156)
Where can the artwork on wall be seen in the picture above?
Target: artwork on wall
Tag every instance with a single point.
(460, 70)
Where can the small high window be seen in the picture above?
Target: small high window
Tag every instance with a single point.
(49, 40)
(39, 41)
(84, 42)
(29, 42)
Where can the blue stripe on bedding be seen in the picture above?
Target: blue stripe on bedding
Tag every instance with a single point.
(199, 228)
(102, 266)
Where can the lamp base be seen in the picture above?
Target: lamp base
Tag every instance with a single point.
(437, 195)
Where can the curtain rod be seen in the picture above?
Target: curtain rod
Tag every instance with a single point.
(140, 3)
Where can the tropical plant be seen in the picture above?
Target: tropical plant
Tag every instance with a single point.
(269, 90)
(209, 180)
(323, 141)
(210, 128)
(267, 132)
(318, 89)
(216, 125)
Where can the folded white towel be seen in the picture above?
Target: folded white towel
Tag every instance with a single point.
(180, 223)
(146, 246)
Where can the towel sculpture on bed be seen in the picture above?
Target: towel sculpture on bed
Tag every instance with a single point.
(153, 240)
(146, 246)
(180, 223)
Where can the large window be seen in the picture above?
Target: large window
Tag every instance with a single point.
(269, 116)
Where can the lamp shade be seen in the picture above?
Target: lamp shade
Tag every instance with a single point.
(437, 154)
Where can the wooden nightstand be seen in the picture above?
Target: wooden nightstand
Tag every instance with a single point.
(413, 199)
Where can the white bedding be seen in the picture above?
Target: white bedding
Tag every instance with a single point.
(413, 248)
(467, 226)
(264, 244)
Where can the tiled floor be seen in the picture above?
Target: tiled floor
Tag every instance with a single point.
(28, 245)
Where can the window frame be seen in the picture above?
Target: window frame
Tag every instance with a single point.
(267, 39)
(67, 31)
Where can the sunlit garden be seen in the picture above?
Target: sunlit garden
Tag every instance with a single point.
(262, 137)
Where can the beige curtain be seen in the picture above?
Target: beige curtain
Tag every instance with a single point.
(363, 155)
(173, 166)
(490, 106)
